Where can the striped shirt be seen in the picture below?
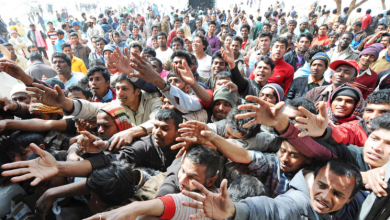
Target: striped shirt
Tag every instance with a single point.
(52, 35)
(174, 208)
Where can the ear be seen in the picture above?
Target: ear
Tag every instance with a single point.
(42, 146)
(108, 82)
(308, 160)
(187, 88)
(89, 99)
(138, 91)
(212, 180)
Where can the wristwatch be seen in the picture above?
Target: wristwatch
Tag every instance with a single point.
(166, 88)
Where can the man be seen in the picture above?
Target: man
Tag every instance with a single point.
(62, 65)
(3, 30)
(367, 78)
(343, 17)
(98, 54)
(380, 36)
(303, 23)
(109, 19)
(99, 82)
(333, 37)
(341, 29)
(212, 39)
(295, 57)
(345, 71)
(38, 38)
(60, 40)
(52, 34)
(199, 45)
(165, 25)
(301, 85)
(76, 28)
(173, 33)
(312, 27)
(117, 41)
(235, 46)
(38, 68)
(366, 20)
(84, 23)
(19, 60)
(358, 34)
(32, 49)
(374, 23)
(283, 72)
(247, 43)
(163, 53)
(77, 63)
(79, 50)
(186, 27)
(188, 45)
(322, 39)
(149, 42)
(383, 62)
(157, 22)
(263, 48)
(144, 30)
(217, 23)
(41, 22)
(291, 29)
(93, 30)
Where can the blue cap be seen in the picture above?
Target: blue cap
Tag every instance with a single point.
(321, 56)
(75, 23)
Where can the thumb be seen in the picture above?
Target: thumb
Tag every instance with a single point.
(224, 192)
(37, 150)
(207, 134)
(279, 106)
(59, 90)
(322, 108)
(185, 64)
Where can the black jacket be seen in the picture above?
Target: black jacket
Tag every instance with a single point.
(298, 88)
(343, 18)
(292, 59)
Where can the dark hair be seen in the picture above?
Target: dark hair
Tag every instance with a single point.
(135, 44)
(229, 35)
(378, 97)
(113, 184)
(122, 77)
(333, 33)
(212, 23)
(166, 114)
(179, 39)
(309, 54)
(82, 14)
(29, 48)
(216, 55)
(246, 26)
(267, 60)
(96, 62)
(325, 25)
(205, 156)
(200, 29)
(244, 186)
(359, 10)
(282, 40)
(78, 88)
(334, 11)
(306, 35)
(162, 34)
(62, 26)
(304, 102)
(237, 38)
(175, 20)
(343, 168)
(83, 82)
(381, 122)
(65, 45)
(60, 32)
(181, 53)
(368, 11)
(7, 44)
(259, 18)
(154, 26)
(262, 34)
(103, 70)
(158, 61)
(63, 56)
(204, 40)
(237, 124)
(150, 51)
(292, 22)
(223, 74)
(346, 9)
(20, 140)
(349, 33)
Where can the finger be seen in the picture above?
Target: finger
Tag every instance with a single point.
(305, 112)
(87, 135)
(256, 100)
(138, 58)
(303, 134)
(200, 187)
(322, 108)
(184, 156)
(184, 130)
(196, 123)
(194, 196)
(195, 205)
(178, 145)
(198, 215)
(96, 217)
(127, 54)
(187, 138)
(35, 90)
(302, 119)
(374, 186)
(246, 115)
(22, 178)
(119, 145)
(13, 166)
(250, 123)
(16, 172)
(248, 107)
(224, 192)
(279, 106)
(181, 151)
(185, 65)
(113, 143)
(38, 150)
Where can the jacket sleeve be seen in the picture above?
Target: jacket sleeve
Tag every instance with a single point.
(185, 102)
(349, 134)
(239, 80)
(291, 92)
(84, 109)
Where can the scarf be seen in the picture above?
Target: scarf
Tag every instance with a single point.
(39, 108)
(301, 53)
(119, 115)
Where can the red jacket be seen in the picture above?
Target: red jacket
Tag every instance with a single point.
(349, 133)
(366, 20)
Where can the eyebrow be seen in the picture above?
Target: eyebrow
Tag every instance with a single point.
(191, 174)
(103, 123)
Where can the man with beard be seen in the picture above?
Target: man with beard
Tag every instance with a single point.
(295, 57)
(98, 54)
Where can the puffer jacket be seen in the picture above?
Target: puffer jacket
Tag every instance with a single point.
(299, 87)
(292, 59)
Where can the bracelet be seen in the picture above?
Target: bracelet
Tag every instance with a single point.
(17, 109)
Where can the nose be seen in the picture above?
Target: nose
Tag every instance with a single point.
(284, 157)
(377, 146)
(220, 107)
(100, 130)
(374, 115)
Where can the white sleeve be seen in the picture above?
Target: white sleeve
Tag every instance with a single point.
(186, 103)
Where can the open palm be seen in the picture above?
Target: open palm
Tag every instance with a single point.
(122, 62)
(185, 74)
(313, 125)
(51, 97)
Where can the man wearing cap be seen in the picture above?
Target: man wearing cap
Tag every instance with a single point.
(105, 26)
(322, 39)
(345, 71)
(93, 31)
(38, 68)
(367, 78)
(312, 27)
(223, 102)
(79, 50)
(303, 23)
(76, 28)
(19, 60)
(302, 85)
(383, 62)
(38, 38)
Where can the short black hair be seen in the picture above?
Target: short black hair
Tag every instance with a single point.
(267, 24)
(368, 11)
(212, 23)
(223, 74)
(246, 26)
(113, 184)
(381, 122)
(357, 23)
(60, 32)
(262, 34)
(122, 77)
(216, 55)
(304, 102)
(343, 168)
(293, 22)
(309, 54)
(358, 10)
(135, 44)
(282, 40)
(333, 33)
(7, 44)
(179, 39)
(166, 114)
(200, 29)
(162, 34)
(30, 47)
(103, 70)
(96, 62)
(20, 140)
(83, 82)
(309, 36)
(267, 60)
(181, 53)
(63, 56)
(78, 88)
(325, 25)
(237, 38)
(62, 26)
(237, 124)
(378, 97)
(150, 51)
(244, 186)
(154, 26)
(207, 157)
(176, 20)
(65, 45)
(204, 40)
(349, 33)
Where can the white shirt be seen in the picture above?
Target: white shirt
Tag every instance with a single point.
(163, 56)
(204, 66)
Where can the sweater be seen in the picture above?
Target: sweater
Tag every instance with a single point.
(366, 82)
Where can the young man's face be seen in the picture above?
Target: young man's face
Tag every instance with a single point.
(218, 65)
(166, 104)
(188, 45)
(76, 95)
(21, 97)
(60, 65)
(333, 39)
(221, 109)
(377, 148)
(135, 31)
(343, 106)
(291, 27)
(76, 27)
(341, 29)
(74, 39)
(373, 110)
(164, 133)
(125, 92)
(291, 159)
(330, 192)
(262, 73)
(278, 50)
(192, 171)
(235, 46)
(197, 44)
(21, 155)
(98, 84)
(228, 41)
(317, 68)
(267, 94)
(179, 83)
(303, 44)
(244, 32)
(385, 41)
(343, 74)
(135, 50)
(32, 27)
(177, 46)
(367, 59)
(106, 125)
(107, 56)
(177, 24)
(117, 38)
(264, 43)
(212, 28)
(162, 41)
(322, 31)
(266, 28)
(230, 134)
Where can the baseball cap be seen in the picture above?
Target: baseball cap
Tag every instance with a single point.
(188, 38)
(89, 20)
(352, 63)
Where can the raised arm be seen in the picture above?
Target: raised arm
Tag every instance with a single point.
(237, 78)
(33, 125)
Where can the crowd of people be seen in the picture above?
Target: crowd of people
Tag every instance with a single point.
(150, 112)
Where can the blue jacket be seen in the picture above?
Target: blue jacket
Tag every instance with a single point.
(58, 43)
(294, 204)
(106, 27)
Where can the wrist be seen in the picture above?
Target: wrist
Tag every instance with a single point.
(160, 83)
(282, 125)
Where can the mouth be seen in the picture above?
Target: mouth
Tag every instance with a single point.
(341, 110)
(321, 204)
(284, 165)
(373, 156)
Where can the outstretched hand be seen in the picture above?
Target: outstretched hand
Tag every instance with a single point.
(313, 125)
(228, 56)
(145, 71)
(214, 205)
(51, 97)
(41, 168)
(12, 69)
(90, 143)
(122, 62)
(185, 73)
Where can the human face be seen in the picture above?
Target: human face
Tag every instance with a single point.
(125, 93)
(186, 20)
(162, 41)
(76, 28)
(343, 106)
(218, 65)
(188, 46)
(167, 104)
(244, 33)
(179, 83)
(380, 28)
(100, 46)
(262, 73)
(106, 125)
(197, 44)
(278, 50)
(68, 51)
(213, 17)
(230, 134)
(333, 39)
(235, 46)
(366, 60)
(21, 97)
(267, 94)
(135, 50)
(165, 133)
(343, 74)
(60, 66)
(75, 40)
(228, 41)
(34, 49)
(177, 24)
(303, 44)
(355, 28)
(264, 43)
(377, 148)
(291, 27)
(135, 32)
(221, 109)
(32, 27)
(373, 110)
(291, 160)
(322, 31)
(330, 192)
(266, 28)
(385, 41)
(107, 56)
(282, 22)
(177, 46)
(317, 68)
(11, 50)
(117, 38)
(341, 29)
(330, 25)
(77, 95)
(156, 66)
(98, 84)
(147, 56)
(273, 28)
(15, 35)
(336, 26)
(191, 171)
(22, 155)
(198, 24)
(211, 29)
(155, 43)
(155, 31)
